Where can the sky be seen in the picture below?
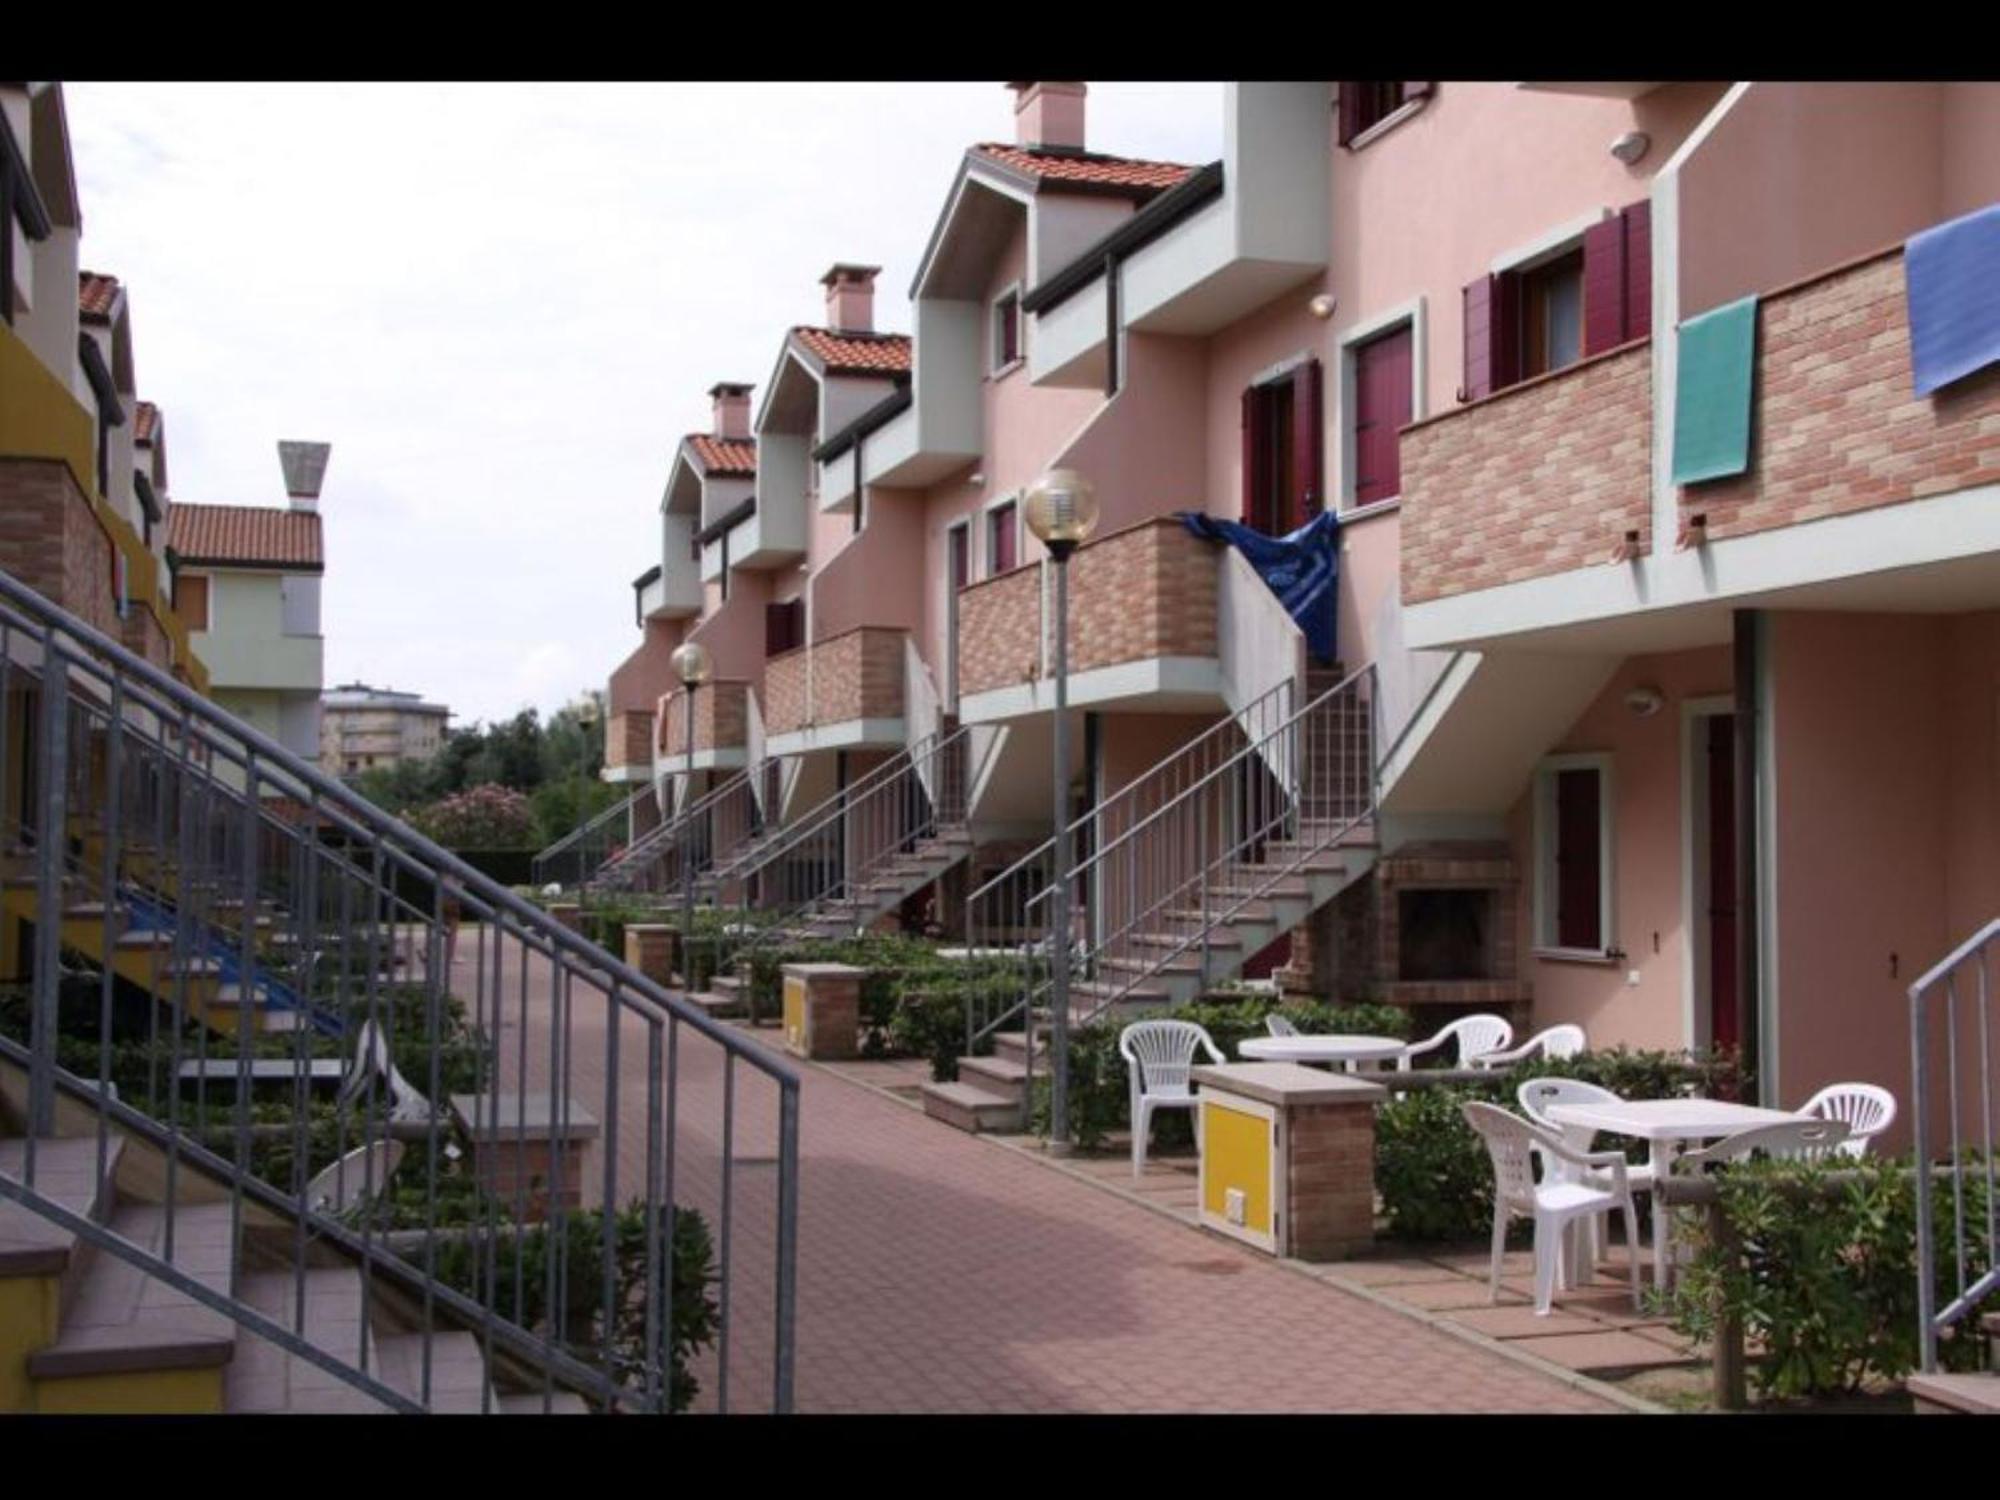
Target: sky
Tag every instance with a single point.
(503, 305)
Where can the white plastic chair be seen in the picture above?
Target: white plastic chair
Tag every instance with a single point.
(1557, 1042)
(1794, 1140)
(341, 1185)
(1865, 1108)
(1158, 1058)
(1475, 1035)
(1535, 1098)
(1562, 1197)
(1278, 1025)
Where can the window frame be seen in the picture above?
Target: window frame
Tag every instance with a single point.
(1544, 930)
(1413, 315)
(987, 515)
(1384, 123)
(996, 367)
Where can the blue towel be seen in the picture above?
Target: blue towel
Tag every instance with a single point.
(1718, 358)
(1951, 274)
(1301, 568)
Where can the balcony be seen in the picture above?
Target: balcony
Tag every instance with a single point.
(837, 694)
(628, 745)
(1143, 628)
(1543, 515)
(721, 719)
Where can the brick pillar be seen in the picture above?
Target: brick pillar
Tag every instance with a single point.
(1330, 1179)
(823, 1010)
(569, 913)
(649, 948)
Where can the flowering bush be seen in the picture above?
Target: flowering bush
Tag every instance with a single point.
(482, 817)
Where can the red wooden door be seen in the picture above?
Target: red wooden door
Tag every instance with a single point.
(1381, 409)
(1722, 987)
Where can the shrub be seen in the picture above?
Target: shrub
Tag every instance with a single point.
(1825, 1273)
(482, 817)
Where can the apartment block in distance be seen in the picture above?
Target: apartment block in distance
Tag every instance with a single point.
(363, 727)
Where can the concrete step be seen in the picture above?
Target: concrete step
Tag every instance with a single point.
(1003, 1077)
(459, 1384)
(1012, 1045)
(965, 1107)
(1222, 935)
(1186, 963)
(722, 1007)
(66, 1171)
(126, 1323)
(266, 1378)
(1956, 1395)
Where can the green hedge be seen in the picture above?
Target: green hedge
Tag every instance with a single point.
(1099, 1088)
(1825, 1274)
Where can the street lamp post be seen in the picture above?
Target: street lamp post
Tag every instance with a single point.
(587, 715)
(691, 664)
(1061, 510)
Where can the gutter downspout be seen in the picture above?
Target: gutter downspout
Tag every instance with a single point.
(1111, 324)
(1750, 796)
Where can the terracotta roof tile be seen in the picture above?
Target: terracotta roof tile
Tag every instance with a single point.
(858, 353)
(145, 423)
(724, 455)
(1086, 167)
(94, 295)
(245, 536)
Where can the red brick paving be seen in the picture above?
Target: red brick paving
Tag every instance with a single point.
(941, 1273)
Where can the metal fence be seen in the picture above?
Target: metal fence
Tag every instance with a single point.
(378, 1058)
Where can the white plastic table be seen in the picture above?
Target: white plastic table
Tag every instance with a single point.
(1347, 1050)
(1667, 1124)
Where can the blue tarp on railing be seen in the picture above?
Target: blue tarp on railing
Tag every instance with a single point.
(1952, 273)
(1301, 568)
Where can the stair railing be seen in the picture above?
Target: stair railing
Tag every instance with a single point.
(687, 845)
(1952, 1015)
(572, 859)
(517, 1035)
(1008, 914)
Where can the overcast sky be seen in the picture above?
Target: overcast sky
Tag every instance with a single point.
(502, 305)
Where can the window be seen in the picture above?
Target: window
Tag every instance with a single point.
(1573, 824)
(191, 599)
(1282, 450)
(1567, 303)
(1382, 408)
(1363, 106)
(1006, 330)
(1003, 551)
(784, 626)
(958, 573)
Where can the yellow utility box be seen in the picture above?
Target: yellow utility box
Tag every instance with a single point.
(823, 1010)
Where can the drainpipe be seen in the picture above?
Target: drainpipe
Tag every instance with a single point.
(1111, 325)
(1748, 626)
(857, 484)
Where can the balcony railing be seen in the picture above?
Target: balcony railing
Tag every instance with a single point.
(628, 739)
(720, 719)
(854, 676)
(1140, 594)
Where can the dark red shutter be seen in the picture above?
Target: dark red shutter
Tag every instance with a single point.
(784, 626)
(1381, 410)
(1604, 286)
(1249, 506)
(1308, 442)
(1478, 303)
(1001, 522)
(1579, 860)
(1639, 269)
(1416, 91)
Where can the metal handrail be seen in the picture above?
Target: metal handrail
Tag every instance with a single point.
(644, 852)
(620, 809)
(200, 786)
(1942, 981)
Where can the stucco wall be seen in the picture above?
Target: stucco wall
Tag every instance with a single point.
(245, 645)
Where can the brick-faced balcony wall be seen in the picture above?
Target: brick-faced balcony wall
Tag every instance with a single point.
(720, 718)
(855, 675)
(1834, 426)
(1145, 592)
(1543, 477)
(51, 541)
(787, 701)
(628, 737)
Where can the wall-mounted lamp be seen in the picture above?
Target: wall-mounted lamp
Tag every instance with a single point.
(1645, 701)
(1632, 145)
(1322, 306)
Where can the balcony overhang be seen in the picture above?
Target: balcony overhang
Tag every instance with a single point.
(1937, 555)
(1593, 90)
(755, 543)
(1157, 684)
(624, 775)
(847, 734)
(725, 758)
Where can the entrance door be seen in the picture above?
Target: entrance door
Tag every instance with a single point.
(1722, 988)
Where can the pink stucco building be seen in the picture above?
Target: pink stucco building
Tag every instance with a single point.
(1684, 763)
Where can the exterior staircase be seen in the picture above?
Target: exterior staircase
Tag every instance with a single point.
(1974, 1394)
(1193, 870)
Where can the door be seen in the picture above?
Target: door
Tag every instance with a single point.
(1721, 840)
(1381, 410)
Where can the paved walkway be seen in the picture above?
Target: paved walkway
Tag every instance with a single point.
(941, 1273)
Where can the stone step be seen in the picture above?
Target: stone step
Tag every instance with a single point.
(65, 1171)
(1003, 1077)
(126, 1322)
(1220, 936)
(459, 1384)
(722, 1007)
(265, 1378)
(1011, 1044)
(1958, 1395)
(1141, 995)
(1186, 963)
(1259, 913)
(965, 1107)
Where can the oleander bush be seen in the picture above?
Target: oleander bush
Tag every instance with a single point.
(1823, 1272)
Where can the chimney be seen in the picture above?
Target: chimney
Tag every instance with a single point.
(305, 470)
(732, 409)
(850, 298)
(1049, 114)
